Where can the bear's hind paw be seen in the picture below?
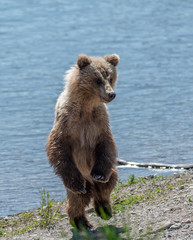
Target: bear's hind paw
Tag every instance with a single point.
(103, 210)
(81, 223)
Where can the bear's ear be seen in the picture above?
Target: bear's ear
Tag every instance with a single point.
(83, 60)
(112, 59)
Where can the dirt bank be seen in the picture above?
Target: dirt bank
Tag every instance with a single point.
(144, 208)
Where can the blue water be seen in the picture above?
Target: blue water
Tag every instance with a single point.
(152, 115)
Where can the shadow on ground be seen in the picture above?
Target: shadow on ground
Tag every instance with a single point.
(101, 233)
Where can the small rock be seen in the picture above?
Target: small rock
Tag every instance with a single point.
(6, 219)
(176, 175)
(165, 224)
(33, 235)
(187, 221)
(175, 226)
(167, 210)
(177, 221)
(51, 227)
(186, 226)
(149, 177)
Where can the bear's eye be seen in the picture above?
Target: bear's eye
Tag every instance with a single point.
(99, 81)
(111, 81)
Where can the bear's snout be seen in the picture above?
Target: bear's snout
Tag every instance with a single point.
(111, 95)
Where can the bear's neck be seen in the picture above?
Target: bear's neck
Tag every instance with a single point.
(83, 102)
(80, 100)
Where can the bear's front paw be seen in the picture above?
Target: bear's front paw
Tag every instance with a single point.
(97, 176)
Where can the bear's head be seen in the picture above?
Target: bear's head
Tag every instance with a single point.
(97, 77)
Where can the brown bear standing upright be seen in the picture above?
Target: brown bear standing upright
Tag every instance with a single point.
(80, 146)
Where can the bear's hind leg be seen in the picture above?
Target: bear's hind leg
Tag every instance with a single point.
(101, 196)
(76, 207)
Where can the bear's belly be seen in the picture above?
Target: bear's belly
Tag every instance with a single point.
(84, 161)
(85, 141)
(84, 134)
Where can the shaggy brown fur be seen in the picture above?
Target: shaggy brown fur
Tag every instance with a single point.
(80, 146)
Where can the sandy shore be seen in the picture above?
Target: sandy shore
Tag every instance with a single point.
(144, 208)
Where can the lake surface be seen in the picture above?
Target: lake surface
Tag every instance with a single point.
(152, 115)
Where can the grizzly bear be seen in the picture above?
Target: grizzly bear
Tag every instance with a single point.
(80, 146)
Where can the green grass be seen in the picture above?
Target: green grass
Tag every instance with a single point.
(48, 213)
(190, 199)
(131, 179)
(1, 232)
(46, 210)
(50, 210)
(126, 203)
(158, 186)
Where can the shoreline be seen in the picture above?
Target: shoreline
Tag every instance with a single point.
(153, 206)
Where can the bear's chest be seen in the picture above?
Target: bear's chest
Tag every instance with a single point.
(86, 129)
(87, 132)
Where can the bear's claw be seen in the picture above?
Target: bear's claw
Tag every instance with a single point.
(99, 177)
